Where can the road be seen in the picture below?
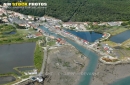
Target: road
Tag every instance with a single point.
(41, 73)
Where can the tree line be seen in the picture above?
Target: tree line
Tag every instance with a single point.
(80, 10)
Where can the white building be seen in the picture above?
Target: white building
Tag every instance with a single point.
(42, 18)
(115, 23)
(30, 17)
(33, 72)
(68, 25)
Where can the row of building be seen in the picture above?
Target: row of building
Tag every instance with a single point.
(73, 37)
(83, 25)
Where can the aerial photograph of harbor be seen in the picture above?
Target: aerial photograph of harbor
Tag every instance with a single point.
(64, 42)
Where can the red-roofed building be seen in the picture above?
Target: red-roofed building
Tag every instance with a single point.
(59, 39)
(38, 34)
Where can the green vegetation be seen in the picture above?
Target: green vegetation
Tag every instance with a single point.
(113, 30)
(110, 43)
(19, 35)
(1, 21)
(23, 76)
(19, 27)
(5, 28)
(16, 38)
(38, 56)
(17, 69)
(72, 28)
(10, 74)
(81, 10)
(51, 43)
(7, 74)
(126, 23)
(126, 44)
(66, 64)
(59, 60)
(128, 48)
(98, 28)
(21, 72)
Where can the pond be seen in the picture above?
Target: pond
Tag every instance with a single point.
(10, 33)
(119, 38)
(90, 36)
(16, 55)
(6, 79)
(26, 69)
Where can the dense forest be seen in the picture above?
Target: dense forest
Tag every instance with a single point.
(81, 10)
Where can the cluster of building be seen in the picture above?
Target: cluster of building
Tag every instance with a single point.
(104, 35)
(60, 41)
(107, 48)
(76, 25)
(2, 15)
(71, 36)
(115, 23)
(51, 20)
(39, 79)
(22, 20)
(13, 14)
(95, 44)
(31, 36)
(33, 72)
(38, 34)
(81, 26)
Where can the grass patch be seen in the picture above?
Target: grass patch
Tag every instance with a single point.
(51, 43)
(120, 30)
(6, 28)
(38, 56)
(110, 43)
(126, 43)
(116, 30)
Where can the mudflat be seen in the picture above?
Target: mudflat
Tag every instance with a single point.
(64, 66)
(110, 73)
